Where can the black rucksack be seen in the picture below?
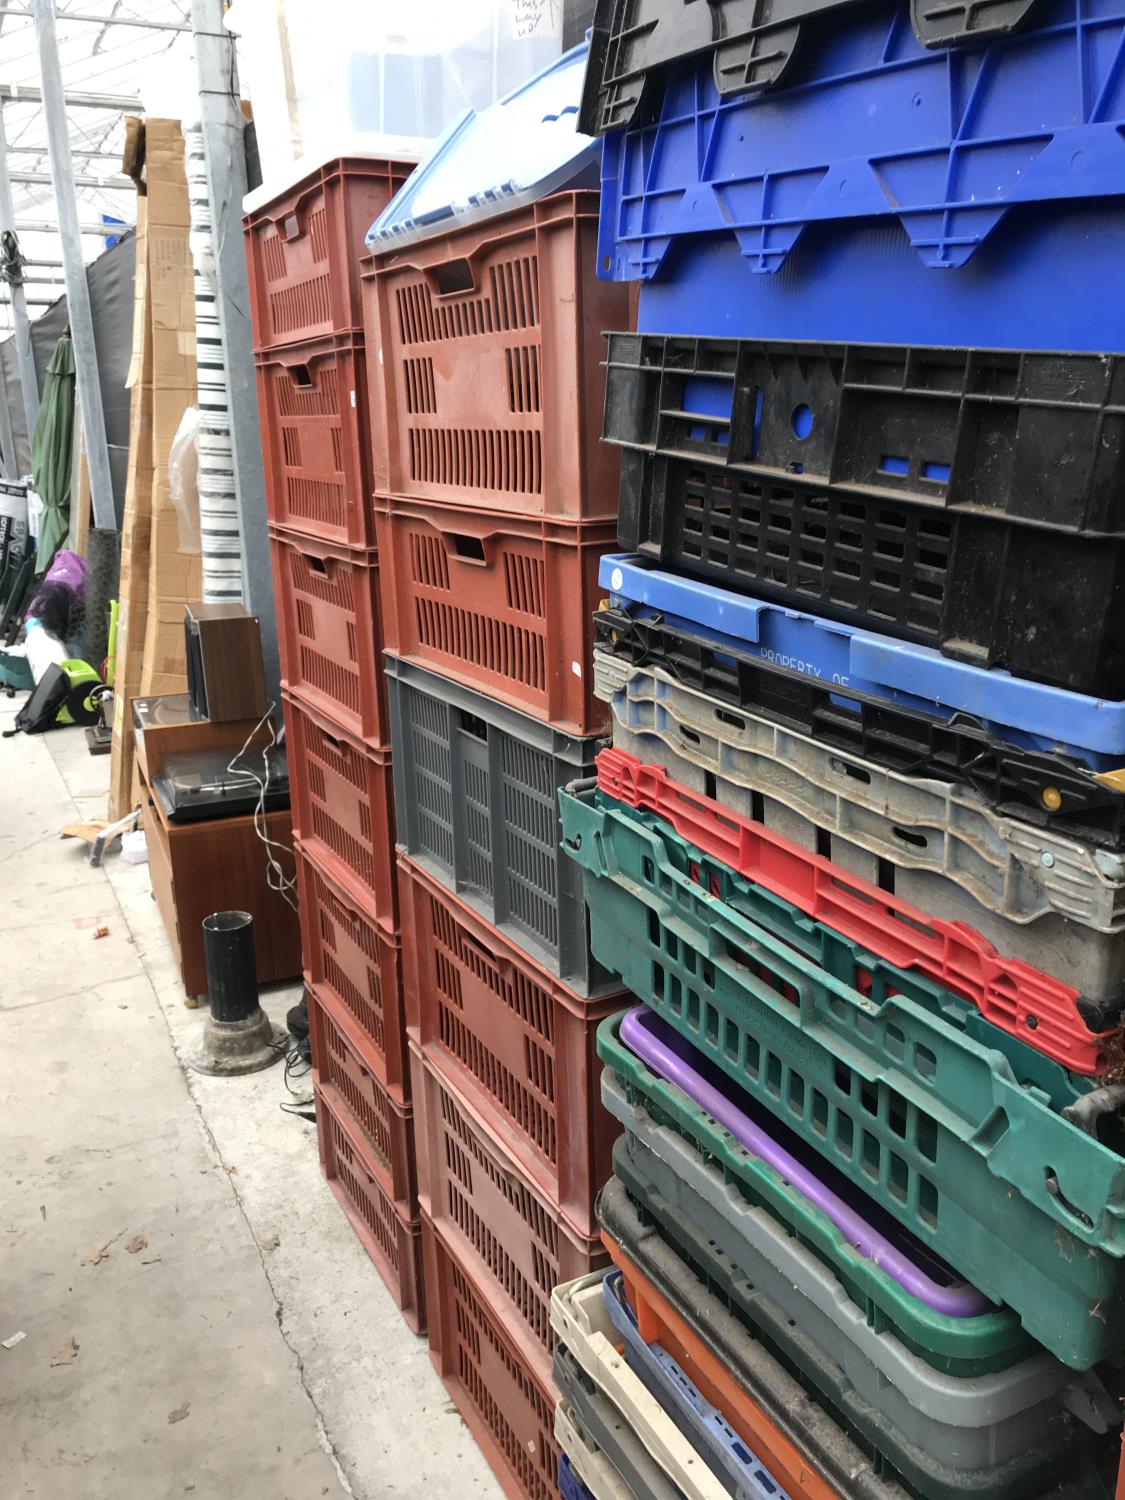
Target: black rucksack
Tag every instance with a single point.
(54, 694)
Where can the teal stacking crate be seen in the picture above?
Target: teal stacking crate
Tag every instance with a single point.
(930, 1122)
(961, 1347)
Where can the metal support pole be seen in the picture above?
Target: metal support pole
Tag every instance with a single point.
(77, 289)
(29, 380)
(223, 124)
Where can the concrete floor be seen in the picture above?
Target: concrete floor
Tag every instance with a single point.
(248, 1347)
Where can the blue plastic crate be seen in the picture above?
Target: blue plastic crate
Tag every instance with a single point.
(874, 125)
(1044, 279)
(570, 1486)
(916, 677)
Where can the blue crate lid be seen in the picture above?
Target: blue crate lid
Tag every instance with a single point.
(1015, 709)
(517, 151)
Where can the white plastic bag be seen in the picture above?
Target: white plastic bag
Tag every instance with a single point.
(183, 481)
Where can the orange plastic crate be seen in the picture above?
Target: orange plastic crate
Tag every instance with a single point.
(514, 1041)
(303, 250)
(343, 808)
(330, 632)
(501, 603)
(509, 1237)
(485, 1367)
(355, 962)
(343, 1073)
(391, 1239)
(485, 356)
(312, 410)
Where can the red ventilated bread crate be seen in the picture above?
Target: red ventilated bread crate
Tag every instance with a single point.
(347, 1080)
(312, 410)
(357, 963)
(303, 250)
(507, 1234)
(330, 632)
(390, 1238)
(513, 1040)
(484, 351)
(502, 603)
(343, 807)
(484, 1364)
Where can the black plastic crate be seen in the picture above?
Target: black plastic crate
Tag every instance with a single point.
(965, 499)
(476, 795)
(1038, 788)
(633, 41)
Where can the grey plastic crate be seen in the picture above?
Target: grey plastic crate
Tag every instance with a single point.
(1054, 903)
(708, 1294)
(476, 804)
(602, 1425)
(964, 1424)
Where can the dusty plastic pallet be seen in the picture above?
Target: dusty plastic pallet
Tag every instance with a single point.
(636, 44)
(1046, 788)
(355, 961)
(802, 1448)
(348, 1083)
(961, 1347)
(894, 487)
(502, 604)
(919, 1115)
(502, 1231)
(514, 1041)
(697, 1325)
(1035, 895)
(584, 1330)
(980, 1435)
(328, 621)
(391, 1239)
(1048, 1015)
(476, 787)
(315, 443)
(871, 124)
(343, 808)
(304, 249)
(490, 1376)
(485, 360)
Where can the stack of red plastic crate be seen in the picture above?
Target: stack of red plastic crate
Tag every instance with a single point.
(493, 503)
(304, 251)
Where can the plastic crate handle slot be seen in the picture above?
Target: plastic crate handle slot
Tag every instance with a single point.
(323, 567)
(291, 227)
(470, 550)
(453, 278)
(493, 960)
(301, 376)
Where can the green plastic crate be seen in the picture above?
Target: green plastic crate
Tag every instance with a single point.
(916, 1112)
(962, 1347)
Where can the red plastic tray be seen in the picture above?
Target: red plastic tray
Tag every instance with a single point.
(485, 355)
(514, 1041)
(350, 959)
(391, 1240)
(312, 409)
(1012, 995)
(303, 250)
(343, 808)
(502, 604)
(484, 1366)
(502, 1230)
(345, 1077)
(330, 632)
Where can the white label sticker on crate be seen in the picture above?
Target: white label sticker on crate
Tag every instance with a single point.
(576, 668)
(353, 398)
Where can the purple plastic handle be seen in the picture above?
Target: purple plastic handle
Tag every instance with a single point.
(957, 1301)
